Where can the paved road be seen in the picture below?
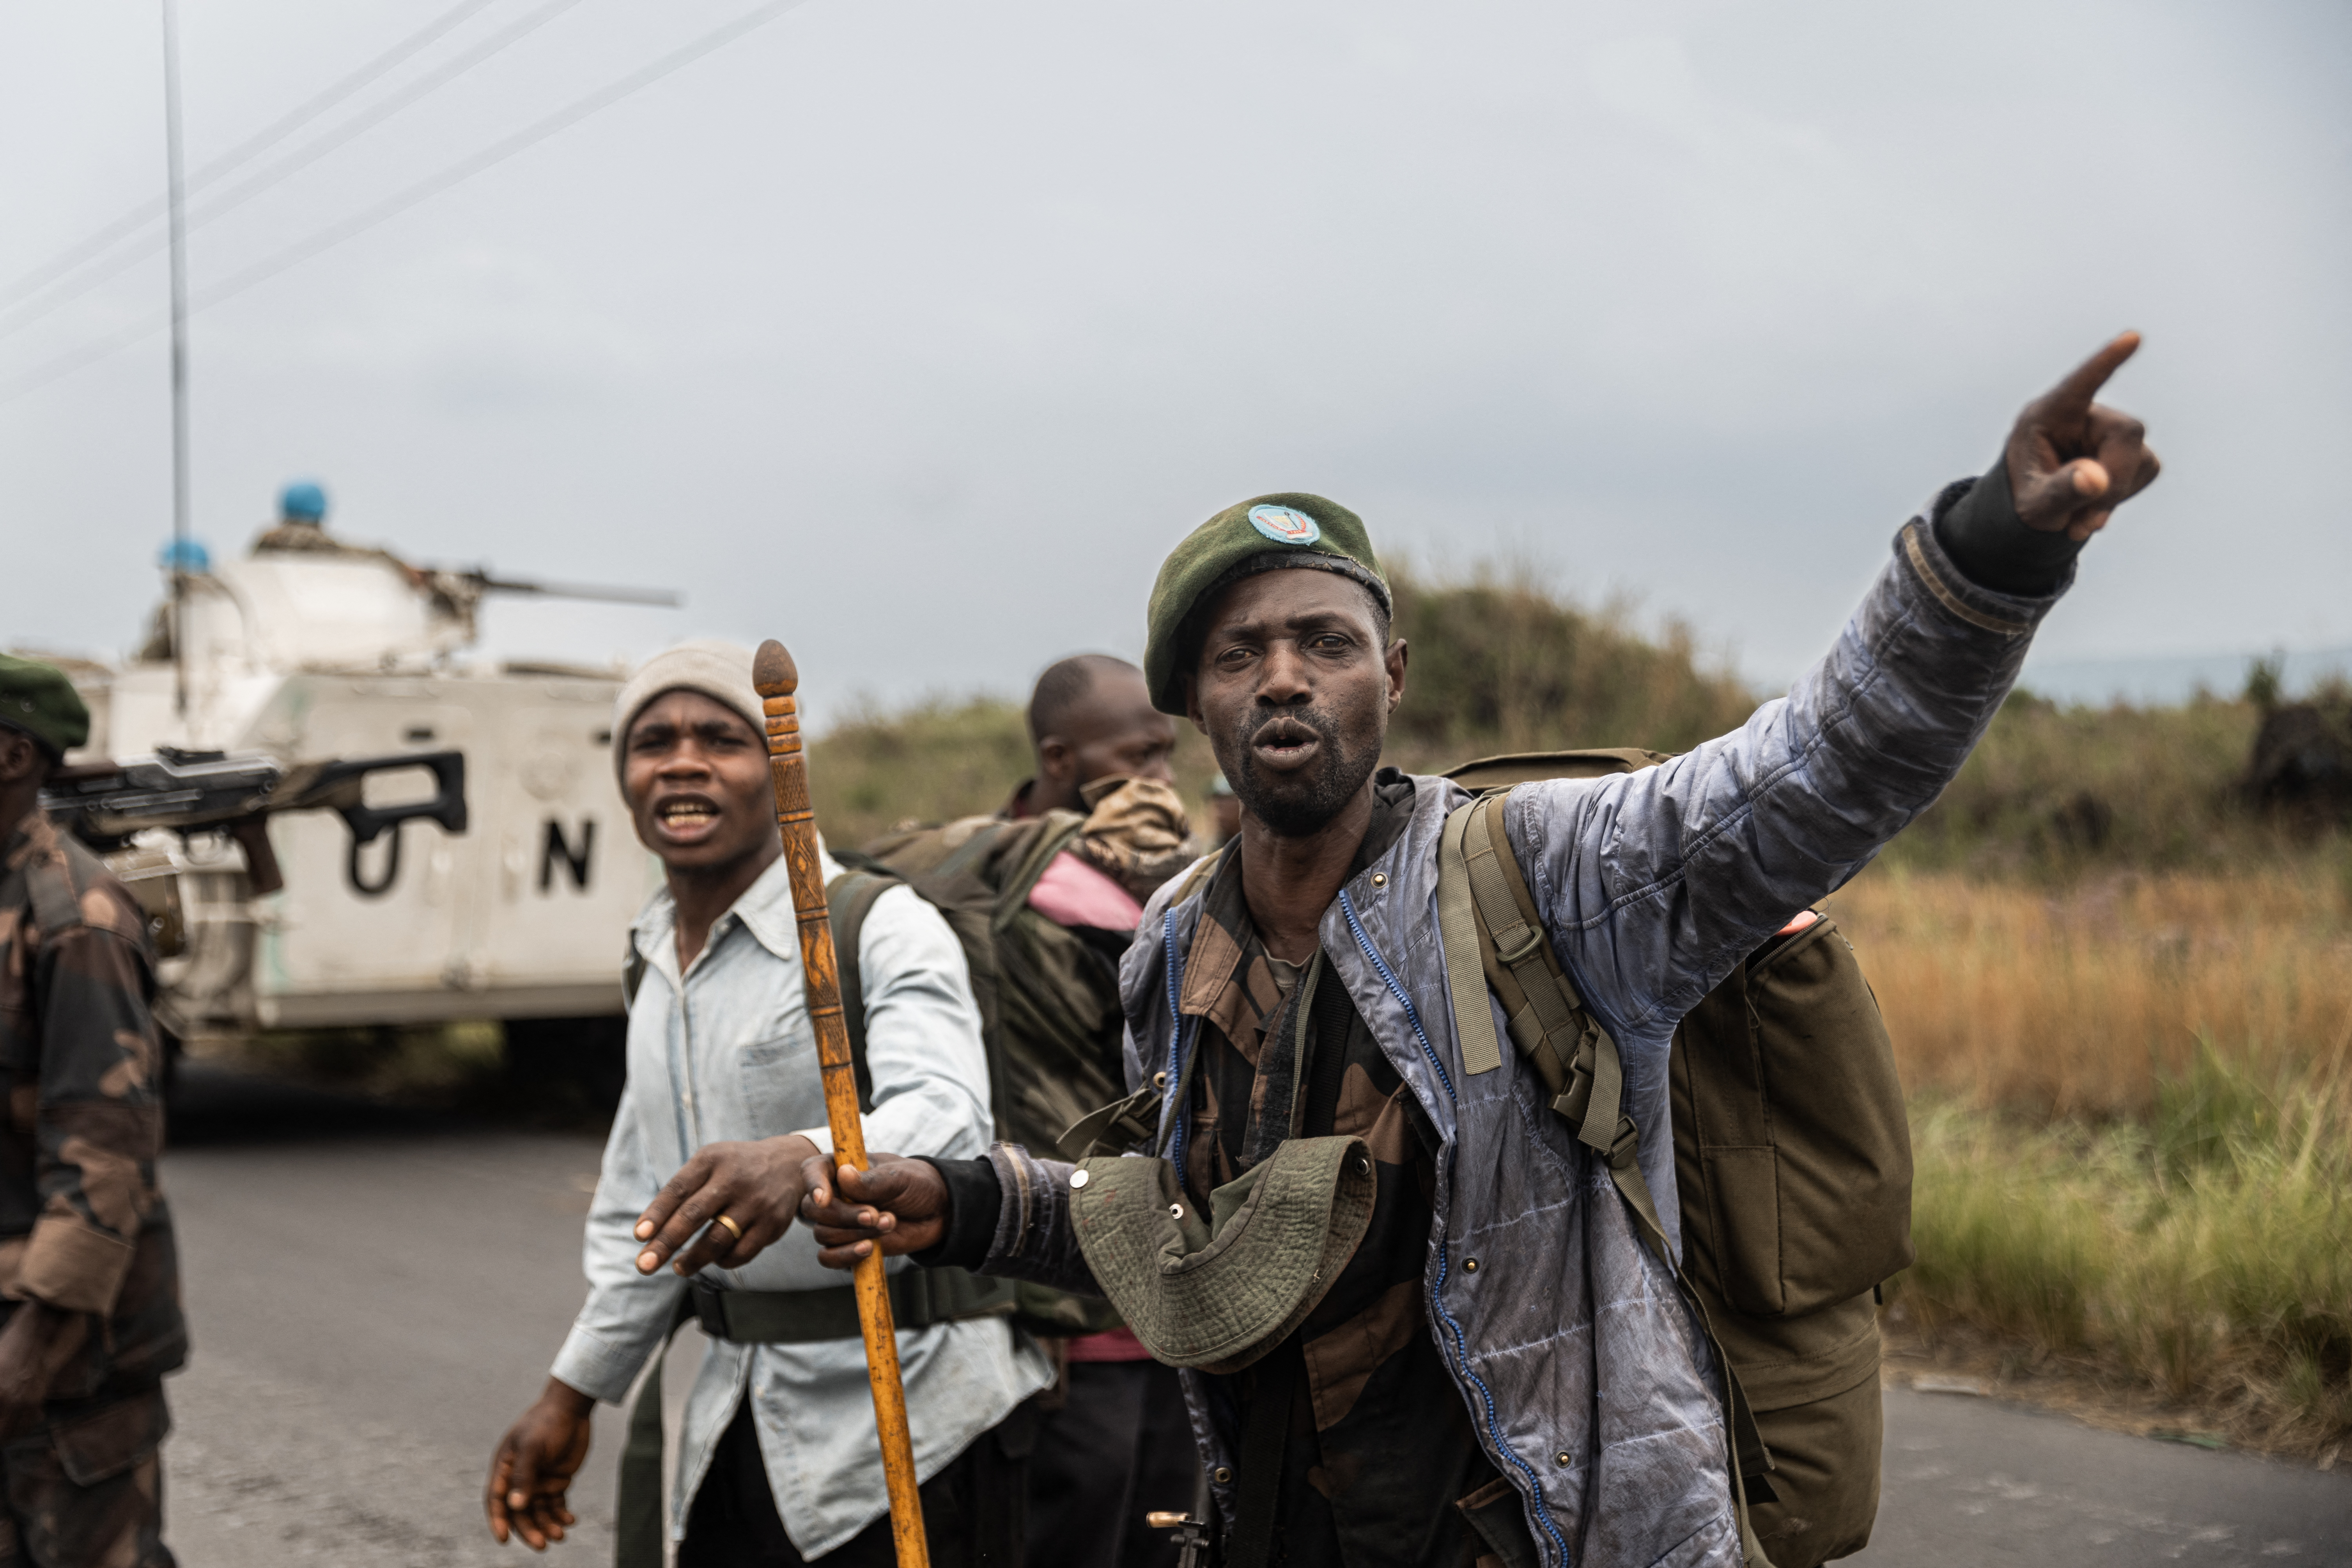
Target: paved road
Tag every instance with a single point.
(1971, 1483)
(375, 1294)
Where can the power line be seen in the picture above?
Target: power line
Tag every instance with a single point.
(301, 157)
(464, 169)
(303, 113)
(145, 213)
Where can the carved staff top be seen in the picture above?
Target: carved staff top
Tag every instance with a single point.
(777, 678)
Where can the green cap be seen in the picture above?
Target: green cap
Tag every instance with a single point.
(1218, 1293)
(38, 699)
(1292, 528)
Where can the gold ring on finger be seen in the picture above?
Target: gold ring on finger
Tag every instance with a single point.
(732, 1228)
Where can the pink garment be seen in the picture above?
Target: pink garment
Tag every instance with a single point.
(1115, 1344)
(1073, 893)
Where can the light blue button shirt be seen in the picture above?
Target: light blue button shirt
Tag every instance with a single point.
(726, 1052)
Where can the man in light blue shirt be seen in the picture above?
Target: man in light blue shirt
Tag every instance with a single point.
(779, 1461)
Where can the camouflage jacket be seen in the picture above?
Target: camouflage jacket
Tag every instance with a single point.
(83, 1225)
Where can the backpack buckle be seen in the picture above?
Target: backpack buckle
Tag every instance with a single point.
(1513, 951)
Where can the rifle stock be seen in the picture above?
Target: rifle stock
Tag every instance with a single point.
(105, 804)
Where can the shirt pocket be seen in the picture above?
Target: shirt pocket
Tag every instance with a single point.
(783, 1089)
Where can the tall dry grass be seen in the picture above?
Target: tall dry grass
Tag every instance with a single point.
(2132, 1115)
(2083, 1001)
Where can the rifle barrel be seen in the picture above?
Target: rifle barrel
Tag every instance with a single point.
(668, 598)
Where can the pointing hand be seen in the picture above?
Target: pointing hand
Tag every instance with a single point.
(2073, 461)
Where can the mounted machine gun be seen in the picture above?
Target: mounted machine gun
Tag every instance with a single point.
(107, 804)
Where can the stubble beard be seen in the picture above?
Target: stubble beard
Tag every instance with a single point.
(1292, 805)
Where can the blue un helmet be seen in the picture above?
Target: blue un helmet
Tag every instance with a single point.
(304, 500)
(187, 555)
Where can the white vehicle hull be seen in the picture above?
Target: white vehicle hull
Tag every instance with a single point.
(523, 916)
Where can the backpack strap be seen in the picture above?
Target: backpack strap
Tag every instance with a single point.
(850, 897)
(1483, 906)
(633, 974)
(638, 1535)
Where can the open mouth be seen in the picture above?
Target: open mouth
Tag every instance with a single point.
(686, 816)
(1284, 743)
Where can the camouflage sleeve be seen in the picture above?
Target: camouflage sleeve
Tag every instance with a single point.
(99, 1120)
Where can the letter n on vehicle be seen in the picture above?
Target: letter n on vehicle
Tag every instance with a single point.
(559, 848)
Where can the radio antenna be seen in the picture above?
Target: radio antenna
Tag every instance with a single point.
(176, 201)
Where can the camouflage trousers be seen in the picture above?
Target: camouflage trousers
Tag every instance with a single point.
(86, 1489)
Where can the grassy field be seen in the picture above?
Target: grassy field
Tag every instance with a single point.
(2121, 998)
(2132, 1113)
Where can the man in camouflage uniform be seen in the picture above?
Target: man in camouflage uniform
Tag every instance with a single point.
(1063, 869)
(89, 1287)
(1090, 717)
(1114, 1444)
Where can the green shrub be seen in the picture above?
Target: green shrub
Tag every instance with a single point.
(2207, 1255)
(1501, 664)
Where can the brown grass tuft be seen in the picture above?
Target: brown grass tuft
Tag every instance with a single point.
(2081, 1002)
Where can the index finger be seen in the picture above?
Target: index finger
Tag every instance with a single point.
(676, 1191)
(2081, 384)
(495, 1495)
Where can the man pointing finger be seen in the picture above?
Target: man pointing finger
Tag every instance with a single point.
(1452, 1343)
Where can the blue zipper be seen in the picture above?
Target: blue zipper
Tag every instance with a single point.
(1175, 1101)
(1436, 1302)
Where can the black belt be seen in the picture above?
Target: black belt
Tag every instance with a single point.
(918, 1299)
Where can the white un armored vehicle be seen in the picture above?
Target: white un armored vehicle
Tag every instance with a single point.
(446, 837)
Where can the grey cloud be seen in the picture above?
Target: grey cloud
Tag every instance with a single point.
(917, 332)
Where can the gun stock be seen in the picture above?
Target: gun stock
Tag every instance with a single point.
(105, 804)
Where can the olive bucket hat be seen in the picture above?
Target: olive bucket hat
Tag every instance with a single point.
(1220, 1292)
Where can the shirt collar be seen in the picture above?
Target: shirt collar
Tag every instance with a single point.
(765, 908)
(1226, 980)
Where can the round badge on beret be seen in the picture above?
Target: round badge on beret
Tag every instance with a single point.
(1285, 525)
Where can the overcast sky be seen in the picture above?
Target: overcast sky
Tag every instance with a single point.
(917, 331)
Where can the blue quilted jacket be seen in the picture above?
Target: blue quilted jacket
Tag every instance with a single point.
(1591, 1387)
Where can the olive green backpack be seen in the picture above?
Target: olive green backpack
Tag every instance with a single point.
(1048, 995)
(1793, 1157)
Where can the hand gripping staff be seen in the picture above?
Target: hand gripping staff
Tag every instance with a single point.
(777, 677)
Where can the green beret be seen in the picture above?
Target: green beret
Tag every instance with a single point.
(38, 700)
(1294, 529)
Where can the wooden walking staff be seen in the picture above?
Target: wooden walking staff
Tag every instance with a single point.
(777, 678)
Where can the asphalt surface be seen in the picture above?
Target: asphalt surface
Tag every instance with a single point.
(1970, 1482)
(375, 1294)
